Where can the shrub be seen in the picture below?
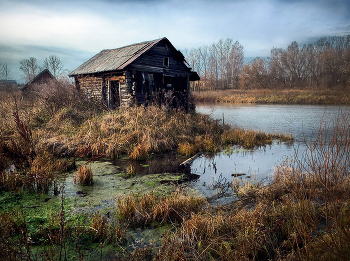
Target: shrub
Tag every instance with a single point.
(187, 149)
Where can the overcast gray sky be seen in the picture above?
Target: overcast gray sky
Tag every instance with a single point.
(75, 30)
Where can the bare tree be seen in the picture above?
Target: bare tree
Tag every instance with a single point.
(218, 65)
(280, 73)
(236, 58)
(213, 67)
(4, 71)
(54, 65)
(255, 74)
(193, 59)
(334, 58)
(312, 58)
(30, 68)
(204, 58)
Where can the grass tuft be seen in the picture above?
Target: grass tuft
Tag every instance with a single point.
(83, 176)
(142, 210)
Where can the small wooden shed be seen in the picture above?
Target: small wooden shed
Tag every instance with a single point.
(142, 73)
(43, 78)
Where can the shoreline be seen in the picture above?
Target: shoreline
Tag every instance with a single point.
(334, 96)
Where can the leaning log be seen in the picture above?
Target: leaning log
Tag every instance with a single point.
(190, 160)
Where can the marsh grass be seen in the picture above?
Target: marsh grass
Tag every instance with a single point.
(251, 138)
(84, 175)
(129, 173)
(302, 214)
(140, 132)
(144, 209)
(277, 95)
(187, 149)
(41, 176)
(76, 127)
(10, 246)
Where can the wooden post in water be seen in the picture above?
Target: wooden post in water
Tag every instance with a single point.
(223, 119)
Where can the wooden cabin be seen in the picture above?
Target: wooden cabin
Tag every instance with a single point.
(142, 73)
(43, 78)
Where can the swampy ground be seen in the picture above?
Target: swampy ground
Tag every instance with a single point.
(125, 214)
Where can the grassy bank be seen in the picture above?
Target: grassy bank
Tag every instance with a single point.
(80, 128)
(277, 96)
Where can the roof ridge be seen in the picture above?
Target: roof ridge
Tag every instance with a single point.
(129, 45)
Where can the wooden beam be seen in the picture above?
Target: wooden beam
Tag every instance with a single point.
(117, 78)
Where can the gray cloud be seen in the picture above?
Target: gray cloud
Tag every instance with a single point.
(65, 27)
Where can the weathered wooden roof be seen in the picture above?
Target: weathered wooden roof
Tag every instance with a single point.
(116, 59)
(43, 77)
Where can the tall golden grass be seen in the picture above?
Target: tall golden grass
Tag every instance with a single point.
(302, 214)
(139, 133)
(282, 96)
(83, 176)
(144, 209)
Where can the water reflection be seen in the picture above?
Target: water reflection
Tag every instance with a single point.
(162, 163)
(302, 121)
(255, 164)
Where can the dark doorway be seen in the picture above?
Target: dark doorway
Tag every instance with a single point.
(114, 99)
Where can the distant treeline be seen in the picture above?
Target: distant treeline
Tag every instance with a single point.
(324, 64)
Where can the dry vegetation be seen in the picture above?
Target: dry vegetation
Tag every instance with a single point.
(276, 96)
(44, 125)
(303, 214)
(83, 176)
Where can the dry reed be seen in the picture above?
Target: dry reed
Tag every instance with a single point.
(142, 210)
(73, 125)
(83, 176)
(273, 96)
(301, 215)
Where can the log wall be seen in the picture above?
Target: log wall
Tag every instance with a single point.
(91, 86)
(125, 91)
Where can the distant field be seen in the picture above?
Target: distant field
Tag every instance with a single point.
(281, 96)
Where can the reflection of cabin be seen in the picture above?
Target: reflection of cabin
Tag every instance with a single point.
(43, 78)
(136, 74)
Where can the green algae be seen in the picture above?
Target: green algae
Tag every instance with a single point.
(109, 183)
(79, 203)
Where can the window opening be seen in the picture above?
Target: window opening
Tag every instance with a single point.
(166, 61)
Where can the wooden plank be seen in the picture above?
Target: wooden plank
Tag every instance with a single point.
(117, 78)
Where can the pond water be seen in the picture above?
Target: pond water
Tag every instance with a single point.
(157, 173)
(302, 121)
